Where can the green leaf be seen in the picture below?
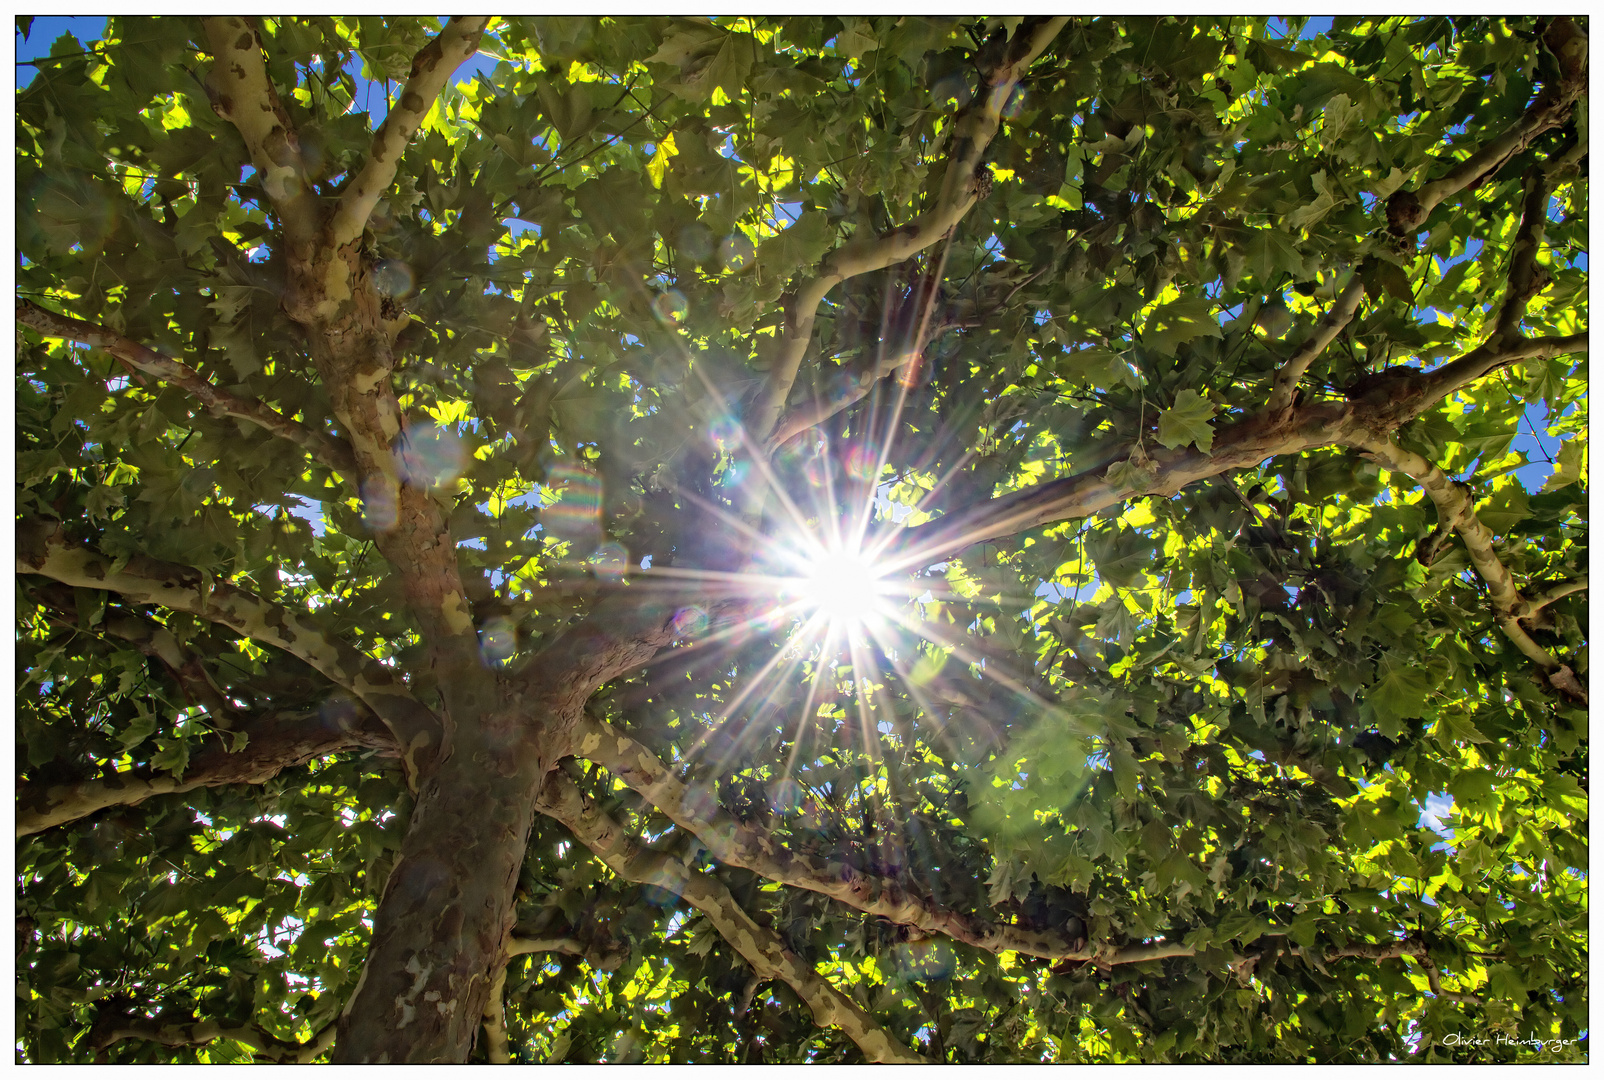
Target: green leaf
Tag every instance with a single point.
(140, 729)
(1399, 692)
(1187, 421)
(1508, 507)
(1383, 278)
(1570, 466)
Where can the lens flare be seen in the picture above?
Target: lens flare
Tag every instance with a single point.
(379, 512)
(736, 251)
(576, 514)
(430, 457)
(696, 241)
(498, 640)
(392, 277)
(670, 307)
(609, 561)
(844, 586)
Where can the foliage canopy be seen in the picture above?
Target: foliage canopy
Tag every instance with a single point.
(786, 539)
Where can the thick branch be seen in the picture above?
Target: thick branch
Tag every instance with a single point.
(1240, 446)
(1526, 278)
(244, 96)
(1495, 353)
(1341, 313)
(113, 1028)
(496, 1021)
(960, 188)
(738, 844)
(1541, 600)
(1408, 210)
(434, 64)
(610, 958)
(275, 741)
(1456, 506)
(43, 549)
(761, 947)
(331, 451)
(1379, 407)
(813, 413)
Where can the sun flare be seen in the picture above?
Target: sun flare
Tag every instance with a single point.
(843, 586)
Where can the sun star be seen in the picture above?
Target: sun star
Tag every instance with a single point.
(843, 586)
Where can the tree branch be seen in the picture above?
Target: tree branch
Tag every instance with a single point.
(1380, 404)
(245, 97)
(610, 958)
(1407, 210)
(762, 948)
(43, 549)
(114, 1026)
(738, 844)
(961, 186)
(149, 637)
(1541, 600)
(1239, 446)
(1496, 352)
(1434, 980)
(1456, 507)
(219, 402)
(1526, 278)
(496, 1021)
(1325, 332)
(276, 740)
(431, 67)
(810, 415)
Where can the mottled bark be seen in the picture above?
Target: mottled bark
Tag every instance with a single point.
(441, 928)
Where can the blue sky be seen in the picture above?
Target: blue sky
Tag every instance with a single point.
(43, 33)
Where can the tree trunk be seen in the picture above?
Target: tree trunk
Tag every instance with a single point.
(441, 929)
(442, 924)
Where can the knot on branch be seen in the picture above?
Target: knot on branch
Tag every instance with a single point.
(1569, 45)
(981, 181)
(1564, 679)
(1404, 213)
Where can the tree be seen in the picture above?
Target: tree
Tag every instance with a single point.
(801, 539)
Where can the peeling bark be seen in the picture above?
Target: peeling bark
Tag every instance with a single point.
(457, 41)
(243, 95)
(1456, 508)
(442, 923)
